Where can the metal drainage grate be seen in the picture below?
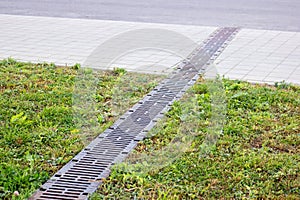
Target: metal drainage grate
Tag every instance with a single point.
(83, 174)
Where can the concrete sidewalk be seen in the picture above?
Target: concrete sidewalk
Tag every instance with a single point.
(253, 55)
(262, 56)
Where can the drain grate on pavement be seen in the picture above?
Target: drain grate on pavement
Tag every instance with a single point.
(84, 173)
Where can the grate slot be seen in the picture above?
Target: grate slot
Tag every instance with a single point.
(62, 197)
(69, 186)
(77, 182)
(56, 191)
(85, 171)
(73, 193)
(99, 167)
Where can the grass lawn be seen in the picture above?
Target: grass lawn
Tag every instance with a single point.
(37, 130)
(257, 154)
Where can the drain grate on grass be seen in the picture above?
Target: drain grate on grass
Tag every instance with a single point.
(38, 133)
(84, 173)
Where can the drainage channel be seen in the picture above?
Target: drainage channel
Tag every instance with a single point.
(84, 173)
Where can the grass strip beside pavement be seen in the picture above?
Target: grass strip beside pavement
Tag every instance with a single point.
(257, 154)
(38, 134)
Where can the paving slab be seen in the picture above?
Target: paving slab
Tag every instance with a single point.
(68, 41)
(261, 56)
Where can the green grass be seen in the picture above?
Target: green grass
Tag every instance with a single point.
(38, 134)
(257, 154)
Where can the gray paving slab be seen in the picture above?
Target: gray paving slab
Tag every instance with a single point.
(262, 56)
(69, 41)
(253, 55)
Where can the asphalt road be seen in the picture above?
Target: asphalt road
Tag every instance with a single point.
(260, 14)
